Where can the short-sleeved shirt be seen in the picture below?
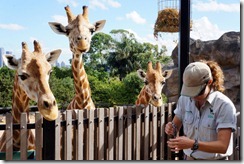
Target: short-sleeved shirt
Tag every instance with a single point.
(218, 112)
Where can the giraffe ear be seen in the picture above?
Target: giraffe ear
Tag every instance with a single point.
(167, 73)
(53, 56)
(99, 25)
(11, 62)
(58, 28)
(141, 74)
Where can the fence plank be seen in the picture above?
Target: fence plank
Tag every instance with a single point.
(120, 133)
(162, 129)
(154, 133)
(237, 144)
(129, 134)
(23, 138)
(91, 135)
(68, 140)
(169, 119)
(58, 137)
(138, 132)
(111, 134)
(101, 134)
(146, 133)
(150, 132)
(80, 134)
(38, 135)
(9, 136)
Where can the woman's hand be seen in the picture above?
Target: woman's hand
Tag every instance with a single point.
(169, 129)
(180, 143)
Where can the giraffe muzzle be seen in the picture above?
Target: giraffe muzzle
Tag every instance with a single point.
(156, 100)
(48, 108)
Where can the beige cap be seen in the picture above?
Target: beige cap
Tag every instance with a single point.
(195, 77)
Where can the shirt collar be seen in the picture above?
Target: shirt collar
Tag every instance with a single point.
(210, 97)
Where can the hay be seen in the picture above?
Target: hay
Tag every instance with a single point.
(167, 21)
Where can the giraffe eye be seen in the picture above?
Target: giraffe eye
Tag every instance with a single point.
(24, 76)
(163, 82)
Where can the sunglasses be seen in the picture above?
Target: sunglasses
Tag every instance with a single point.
(202, 91)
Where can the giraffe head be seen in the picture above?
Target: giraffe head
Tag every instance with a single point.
(33, 70)
(154, 80)
(79, 30)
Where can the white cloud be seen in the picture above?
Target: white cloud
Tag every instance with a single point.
(104, 4)
(203, 29)
(11, 27)
(60, 19)
(97, 4)
(71, 2)
(213, 5)
(167, 39)
(135, 17)
(113, 3)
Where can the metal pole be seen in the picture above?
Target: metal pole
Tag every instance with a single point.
(183, 49)
(184, 37)
(48, 140)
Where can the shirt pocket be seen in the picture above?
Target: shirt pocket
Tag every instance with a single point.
(188, 121)
(208, 129)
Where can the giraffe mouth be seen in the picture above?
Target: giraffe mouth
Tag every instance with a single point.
(50, 115)
(157, 103)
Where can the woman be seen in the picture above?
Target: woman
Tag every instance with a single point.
(207, 115)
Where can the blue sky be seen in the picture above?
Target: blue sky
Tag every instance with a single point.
(28, 20)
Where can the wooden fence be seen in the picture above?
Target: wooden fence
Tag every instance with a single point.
(115, 133)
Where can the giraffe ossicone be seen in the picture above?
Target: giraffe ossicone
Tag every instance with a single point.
(31, 82)
(154, 80)
(33, 71)
(79, 31)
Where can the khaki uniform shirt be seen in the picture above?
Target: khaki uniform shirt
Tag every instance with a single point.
(218, 112)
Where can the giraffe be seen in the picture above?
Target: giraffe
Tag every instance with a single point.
(154, 80)
(31, 83)
(79, 31)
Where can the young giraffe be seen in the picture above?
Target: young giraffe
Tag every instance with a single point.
(79, 31)
(154, 80)
(31, 82)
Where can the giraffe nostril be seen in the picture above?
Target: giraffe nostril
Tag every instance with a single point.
(54, 103)
(156, 97)
(79, 37)
(46, 104)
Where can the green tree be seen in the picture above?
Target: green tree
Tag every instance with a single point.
(6, 86)
(62, 86)
(96, 57)
(130, 55)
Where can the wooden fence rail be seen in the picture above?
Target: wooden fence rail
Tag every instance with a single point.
(115, 133)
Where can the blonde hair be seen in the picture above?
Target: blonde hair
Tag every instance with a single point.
(217, 74)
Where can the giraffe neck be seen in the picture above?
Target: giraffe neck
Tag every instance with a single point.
(20, 101)
(20, 104)
(82, 99)
(143, 97)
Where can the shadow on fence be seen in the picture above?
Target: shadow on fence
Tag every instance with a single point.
(115, 133)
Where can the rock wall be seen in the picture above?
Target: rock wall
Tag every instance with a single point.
(226, 51)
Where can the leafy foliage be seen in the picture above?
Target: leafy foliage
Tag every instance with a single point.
(111, 65)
